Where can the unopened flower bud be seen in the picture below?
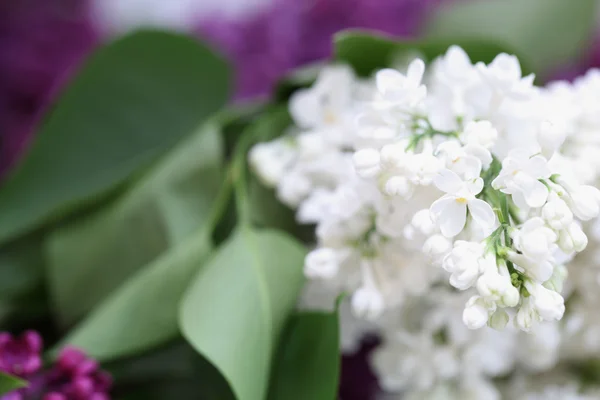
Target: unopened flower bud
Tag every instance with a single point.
(475, 315)
(498, 320)
(321, 263)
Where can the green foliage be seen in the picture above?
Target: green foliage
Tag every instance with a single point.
(545, 33)
(235, 308)
(142, 313)
(308, 362)
(92, 256)
(133, 99)
(367, 52)
(8, 383)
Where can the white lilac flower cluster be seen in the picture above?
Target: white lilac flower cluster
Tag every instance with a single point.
(463, 189)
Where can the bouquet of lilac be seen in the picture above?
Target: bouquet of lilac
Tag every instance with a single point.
(430, 202)
(457, 193)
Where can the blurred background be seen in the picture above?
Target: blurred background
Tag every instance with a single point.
(42, 43)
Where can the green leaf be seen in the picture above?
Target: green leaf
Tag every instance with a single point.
(308, 362)
(92, 256)
(546, 33)
(8, 383)
(366, 52)
(235, 309)
(142, 313)
(133, 99)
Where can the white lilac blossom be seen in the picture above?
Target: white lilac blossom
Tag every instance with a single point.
(454, 205)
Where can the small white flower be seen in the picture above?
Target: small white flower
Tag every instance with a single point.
(316, 207)
(527, 317)
(322, 263)
(294, 188)
(466, 161)
(324, 104)
(539, 269)
(520, 176)
(551, 136)
(367, 163)
(465, 262)
(534, 239)
(549, 305)
(436, 248)
(556, 212)
(476, 314)
(557, 280)
(503, 75)
(572, 238)
(423, 168)
(584, 200)
(423, 223)
(450, 211)
(497, 288)
(398, 186)
(481, 133)
(398, 88)
(271, 160)
(499, 320)
(394, 155)
(367, 302)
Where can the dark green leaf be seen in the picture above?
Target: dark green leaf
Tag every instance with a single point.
(94, 255)
(546, 33)
(133, 99)
(367, 52)
(308, 363)
(236, 307)
(8, 383)
(175, 371)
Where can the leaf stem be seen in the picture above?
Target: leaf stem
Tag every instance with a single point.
(239, 177)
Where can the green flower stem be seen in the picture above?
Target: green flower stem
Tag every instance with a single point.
(238, 176)
(429, 133)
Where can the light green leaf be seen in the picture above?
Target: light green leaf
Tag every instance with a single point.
(546, 33)
(367, 52)
(142, 313)
(236, 307)
(92, 256)
(308, 362)
(9, 383)
(133, 99)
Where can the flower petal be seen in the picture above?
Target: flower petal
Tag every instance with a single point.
(482, 213)
(415, 71)
(388, 80)
(447, 181)
(538, 167)
(304, 107)
(536, 194)
(453, 218)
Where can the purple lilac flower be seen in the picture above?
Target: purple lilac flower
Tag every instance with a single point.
(74, 376)
(20, 356)
(77, 377)
(41, 41)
